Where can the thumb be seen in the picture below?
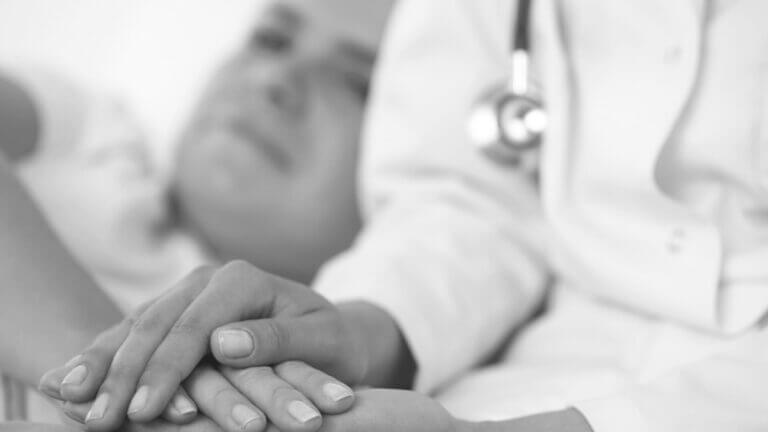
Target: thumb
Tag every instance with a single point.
(318, 339)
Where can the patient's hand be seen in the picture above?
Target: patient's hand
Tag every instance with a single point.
(247, 400)
(288, 395)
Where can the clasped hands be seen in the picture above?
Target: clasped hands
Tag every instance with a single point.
(238, 350)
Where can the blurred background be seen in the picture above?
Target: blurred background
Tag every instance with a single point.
(157, 136)
(153, 55)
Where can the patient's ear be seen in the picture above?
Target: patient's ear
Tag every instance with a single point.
(19, 121)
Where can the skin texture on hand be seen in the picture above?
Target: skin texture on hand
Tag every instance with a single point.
(379, 410)
(568, 420)
(137, 363)
(406, 411)
(290, 395)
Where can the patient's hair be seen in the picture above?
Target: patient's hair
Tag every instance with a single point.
(19, 121)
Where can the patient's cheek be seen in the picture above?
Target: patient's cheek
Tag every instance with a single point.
(19, 121)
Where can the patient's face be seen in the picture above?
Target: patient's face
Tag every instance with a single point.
(266, 167)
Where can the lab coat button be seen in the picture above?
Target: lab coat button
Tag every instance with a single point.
(672, 54)
(675, 240)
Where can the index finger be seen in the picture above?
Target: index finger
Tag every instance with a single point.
(238, 290)
(146, 333)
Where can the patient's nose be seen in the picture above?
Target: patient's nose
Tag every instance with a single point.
(277, 89)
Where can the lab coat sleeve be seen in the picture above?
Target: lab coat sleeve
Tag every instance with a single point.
(723, 392)
(452, 242)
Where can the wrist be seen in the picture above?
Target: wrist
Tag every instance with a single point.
(385, 358)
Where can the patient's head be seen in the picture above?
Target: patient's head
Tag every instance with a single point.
(266, 167)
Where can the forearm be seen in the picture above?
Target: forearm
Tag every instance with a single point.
(388, 361)
(51, 307)
(569, 420)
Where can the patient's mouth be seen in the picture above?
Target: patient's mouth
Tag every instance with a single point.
(267, 146)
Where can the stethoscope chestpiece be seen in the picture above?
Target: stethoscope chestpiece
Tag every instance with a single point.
(507, 120)
(504, 124)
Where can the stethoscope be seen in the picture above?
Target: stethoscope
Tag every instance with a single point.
(507, 119)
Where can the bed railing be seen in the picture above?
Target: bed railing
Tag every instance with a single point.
(14, 399)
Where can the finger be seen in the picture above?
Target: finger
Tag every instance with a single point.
(284, 406)
(327, 393)
(50, 382)
(198, 424)
(312, 338)
(181, 409)
(83, 374)
(76, 410)
(118, 393)
(108, 343)
(236, 291)
(223, 403)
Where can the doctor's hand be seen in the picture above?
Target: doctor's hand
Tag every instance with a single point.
(247, 318)
(379, 410)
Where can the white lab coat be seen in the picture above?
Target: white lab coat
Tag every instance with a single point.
(645, 332)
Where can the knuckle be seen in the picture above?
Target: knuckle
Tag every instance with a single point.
(162, 370)
(295, 369)
(203, 270)
(284, 393)
(189, 327)
(98, 357)
(201, 273)
(225, 394)
(146, 323)
(242, 271)
(121, 372)
(94, 354)
(253, 375)
(274, 337)
(238, 267)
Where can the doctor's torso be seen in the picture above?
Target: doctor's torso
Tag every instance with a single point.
(654, 172)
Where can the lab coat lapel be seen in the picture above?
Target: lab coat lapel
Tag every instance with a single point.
(649, 105)
(614, 92)
(550, 59)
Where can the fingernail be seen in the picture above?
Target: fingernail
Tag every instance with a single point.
(98, 408)
(49, 384)
(244, 416)
(336, 392)
(139, 400)
(235, 343)
(74, 415)
(74, 360)
(183, 405)
(76, 376)
(302, 412)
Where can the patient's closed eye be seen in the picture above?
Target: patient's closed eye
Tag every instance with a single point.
(272, 40)
(757, 214)
(358, 84)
